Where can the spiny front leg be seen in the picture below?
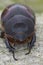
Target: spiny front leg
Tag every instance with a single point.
(31, 44)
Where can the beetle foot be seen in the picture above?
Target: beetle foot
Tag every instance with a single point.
(28, 52)
(14, 56)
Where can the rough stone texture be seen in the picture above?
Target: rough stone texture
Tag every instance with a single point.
(36, 55)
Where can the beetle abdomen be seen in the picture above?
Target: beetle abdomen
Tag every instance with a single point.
(18, 21)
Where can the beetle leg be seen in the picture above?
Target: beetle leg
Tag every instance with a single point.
(11, 49)
(14, 55)
(13, 52)
(7, 43)
(31, 44)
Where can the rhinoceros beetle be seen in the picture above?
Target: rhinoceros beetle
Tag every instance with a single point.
(18, 26)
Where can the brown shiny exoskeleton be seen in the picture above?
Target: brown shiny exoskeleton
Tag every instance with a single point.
(18, 26)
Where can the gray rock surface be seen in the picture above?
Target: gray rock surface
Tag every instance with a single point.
(36, 55)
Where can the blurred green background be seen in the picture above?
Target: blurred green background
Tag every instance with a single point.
(36, 5)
